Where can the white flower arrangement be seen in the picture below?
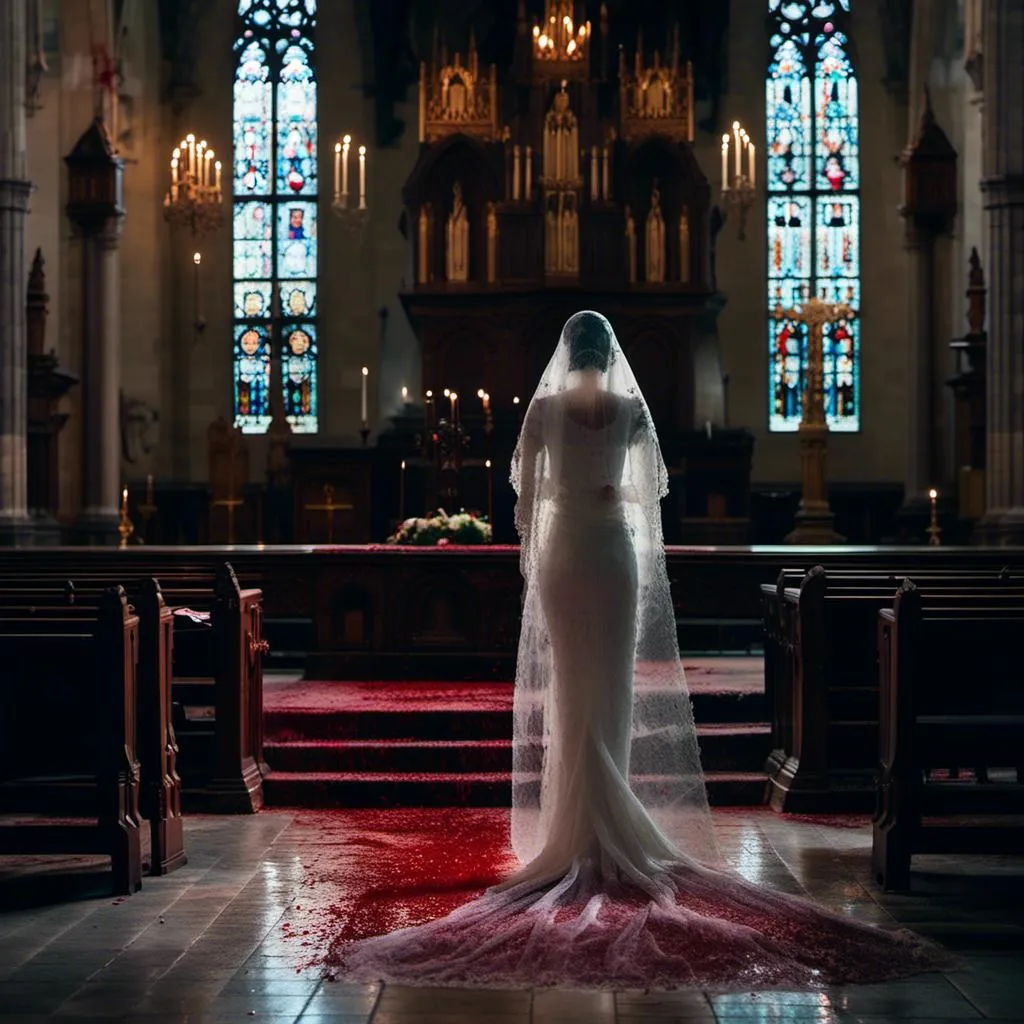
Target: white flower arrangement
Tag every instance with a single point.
(441, 529)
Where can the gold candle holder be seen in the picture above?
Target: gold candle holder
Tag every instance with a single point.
(125, 528)
(934, 530)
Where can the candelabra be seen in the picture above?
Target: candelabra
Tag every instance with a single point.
(355, 217)
(450, 441)
(738, 192)
(195, 199)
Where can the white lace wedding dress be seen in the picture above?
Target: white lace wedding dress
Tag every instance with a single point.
(620, 885)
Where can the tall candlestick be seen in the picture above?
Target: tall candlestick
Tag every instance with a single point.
(725, 162)
(346, 143)
(528, 174)
(401, 493)
(451, 400)
(337, 169)
(428, 412)
(362, 408)
(515, 173)
(490, 493)
(736, 143)
(362, 177)
(604, 173)
(149, 488)
(595, 168)
(197, 259)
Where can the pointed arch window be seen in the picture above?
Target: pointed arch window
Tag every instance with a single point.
(275, 217)
(813, 203)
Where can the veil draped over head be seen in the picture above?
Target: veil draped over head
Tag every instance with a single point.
(664, 762)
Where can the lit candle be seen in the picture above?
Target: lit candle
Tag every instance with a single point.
(216, 184)
(174, 180)
(401, 493)
(736, 143)
(346, 143)
(753, 162)
(362, 409)
(515, 403)
(191, 140)
(451, 399)
(124, 501)
(197, 259)
(725, 162)
(149, 488)
(207, 176)
(428, 411)
(405, 396)
(362, 177)
(175, 157)
(337, 169)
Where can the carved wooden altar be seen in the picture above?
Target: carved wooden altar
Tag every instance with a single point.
(534, 198)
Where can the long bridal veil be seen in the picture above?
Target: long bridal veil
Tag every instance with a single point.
(664, 762)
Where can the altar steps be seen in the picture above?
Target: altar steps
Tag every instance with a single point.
(420, 744)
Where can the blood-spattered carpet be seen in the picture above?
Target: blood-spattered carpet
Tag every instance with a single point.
(423, 743)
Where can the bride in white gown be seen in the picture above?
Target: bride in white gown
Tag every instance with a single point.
(621, 883)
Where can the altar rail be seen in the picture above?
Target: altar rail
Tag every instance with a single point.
(450, 613)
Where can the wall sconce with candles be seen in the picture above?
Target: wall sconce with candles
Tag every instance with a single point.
(195, 198)
(738, 190)
(353, 215)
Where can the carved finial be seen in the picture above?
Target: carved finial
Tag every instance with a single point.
(37, 276)
(976, 276)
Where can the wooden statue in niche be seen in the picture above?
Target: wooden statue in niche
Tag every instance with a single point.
(423, 244)
(570, 238)
(684, 246)
(561, 141)
(492, 243)
(631, 245)
(655, 239)
(457, 238)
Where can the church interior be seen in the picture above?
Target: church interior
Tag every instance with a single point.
(260, 589)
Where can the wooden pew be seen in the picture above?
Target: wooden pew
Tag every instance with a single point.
(217, 683)
(952, 694)
(821, 679)
(67, 707)
(157, 749)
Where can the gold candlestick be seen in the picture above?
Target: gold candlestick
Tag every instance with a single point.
(125, 528)
(934, 530)
(401, 493)
(490, 494)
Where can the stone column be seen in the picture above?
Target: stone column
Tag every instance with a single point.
(101, 378)
(14, 193)
(1003, 188)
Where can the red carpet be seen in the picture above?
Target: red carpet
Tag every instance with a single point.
(439, 744)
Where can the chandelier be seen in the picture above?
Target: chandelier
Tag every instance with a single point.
(195, 199)
(557, 37)
(738, 190)
(353, 216)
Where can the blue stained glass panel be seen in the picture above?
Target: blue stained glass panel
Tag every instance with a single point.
(298, 374)
(252, 377)
(789, 236)
(253, 300)
(838, 236)
(252, 106)
(836, 114)
(253, 259)
(296, 124)
(298, 299)
(841, 357)
(296, 240)
(788, 120)
(252, 221)
(787, 341)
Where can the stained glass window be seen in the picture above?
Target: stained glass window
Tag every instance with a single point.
(275, 214)
(813, 206)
